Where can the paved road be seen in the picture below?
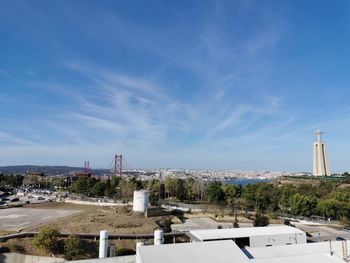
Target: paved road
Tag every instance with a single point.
(322, 232)
(15, 219)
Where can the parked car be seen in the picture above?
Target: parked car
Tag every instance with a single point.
(339, 238)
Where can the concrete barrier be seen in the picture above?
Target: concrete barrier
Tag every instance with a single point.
(81, 202)
(20, 258)
(120, 259)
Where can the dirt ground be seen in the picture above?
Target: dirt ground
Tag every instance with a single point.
(229, 218)
(297, 181)
(92, 219)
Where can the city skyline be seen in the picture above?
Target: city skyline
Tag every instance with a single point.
(205, 85)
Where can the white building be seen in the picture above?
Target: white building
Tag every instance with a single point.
(217, 246)
(201, 252)
(226, 251)
(320, 158)
(252, 236)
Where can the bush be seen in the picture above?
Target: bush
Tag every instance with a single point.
(72, 247)
(17, 248)
(166, 224)
(46, 239)
(287, 222)
(261, 220)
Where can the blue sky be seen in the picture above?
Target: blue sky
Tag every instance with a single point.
(182, 84)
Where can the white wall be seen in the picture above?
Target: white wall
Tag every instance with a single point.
(278, 240)
(19, 258)
(119, 259)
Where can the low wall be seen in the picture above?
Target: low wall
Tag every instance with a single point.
(20, 258)
(155, 211)
(120, 259)
(81, 202)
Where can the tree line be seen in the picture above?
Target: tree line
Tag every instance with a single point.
(10, 181)
(328, 199)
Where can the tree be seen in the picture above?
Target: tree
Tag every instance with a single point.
(266, 197)
(98, 189)
(231, 193)
(153, 189)
(170, 186)
(115, 181)
(302, 205)
(46, 239)
(191, 188)
(307, 189)
(72, 247)
(11, 180)
(180, 189)
(215, 193)
(260, 220)
(287, 192)
(249, 194)
(109, 190)
(332, 208)
(162, 191)
(235, 222)
(80, 186)
(128, 186)
(241, 203)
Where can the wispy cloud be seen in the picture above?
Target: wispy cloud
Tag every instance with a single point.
(179, 86)
(14, 140)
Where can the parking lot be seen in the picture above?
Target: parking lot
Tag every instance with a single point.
(323, 232)
(16, 219)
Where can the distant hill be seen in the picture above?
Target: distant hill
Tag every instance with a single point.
(48, 170)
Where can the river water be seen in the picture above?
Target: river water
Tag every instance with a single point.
(244, 181)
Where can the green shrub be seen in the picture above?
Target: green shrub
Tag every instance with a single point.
(261, 220)
(46, 239)
(72, 247)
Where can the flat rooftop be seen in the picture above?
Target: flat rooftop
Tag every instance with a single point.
(296, 250)
(318, 258)
(204, 252)
(226, 251)
(217, 234)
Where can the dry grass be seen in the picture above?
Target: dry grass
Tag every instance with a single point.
(94, 219)
(344, 186)
(297, 181)
(224, 218)
(91, 220)
(5, 232)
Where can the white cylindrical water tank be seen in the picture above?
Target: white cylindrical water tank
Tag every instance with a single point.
(140, 201)
(103, 244)
(158, 237)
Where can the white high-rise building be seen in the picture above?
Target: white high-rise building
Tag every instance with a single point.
(320, 159)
